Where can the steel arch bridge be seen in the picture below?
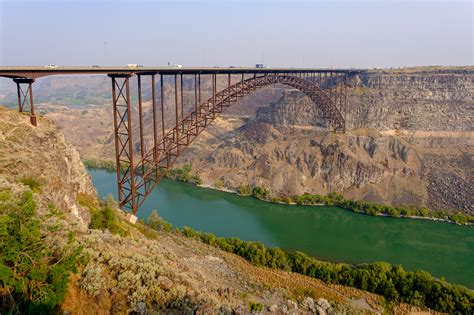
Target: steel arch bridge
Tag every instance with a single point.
(139, 169)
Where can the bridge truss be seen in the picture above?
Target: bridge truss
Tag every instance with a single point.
(142, 159)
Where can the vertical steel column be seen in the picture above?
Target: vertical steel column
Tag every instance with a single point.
(140, 114)
(20, 92)
(213, 95)
(331, 86)
(199, 83)
(162, 92)
(26, 98)
(153, 104)
(195, 94)
(228, 89)
(176, 139)
(345, 96)
(182, 98)
(32, 105)
(341, 83)
(124, 142)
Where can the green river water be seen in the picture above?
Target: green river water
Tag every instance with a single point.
(329, 233)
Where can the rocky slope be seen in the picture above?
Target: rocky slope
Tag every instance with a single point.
(43, 155)
(145, 270)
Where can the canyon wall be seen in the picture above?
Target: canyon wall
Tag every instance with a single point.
(410, 141)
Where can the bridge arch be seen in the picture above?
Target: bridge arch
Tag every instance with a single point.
(142, 179)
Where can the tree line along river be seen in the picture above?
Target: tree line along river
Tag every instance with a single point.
(328, 233)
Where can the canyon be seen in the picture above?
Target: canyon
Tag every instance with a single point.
(409, 140)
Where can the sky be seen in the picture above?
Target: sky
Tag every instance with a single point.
(291, 33)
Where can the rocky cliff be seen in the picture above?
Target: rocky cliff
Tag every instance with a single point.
(435, 100)
(29, 154)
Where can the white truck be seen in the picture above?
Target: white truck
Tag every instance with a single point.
(133, 65)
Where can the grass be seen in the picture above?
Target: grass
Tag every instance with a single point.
(103, 214)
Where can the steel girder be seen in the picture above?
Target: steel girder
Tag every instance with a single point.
(137, 182)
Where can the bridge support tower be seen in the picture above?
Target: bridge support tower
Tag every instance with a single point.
(25, 97)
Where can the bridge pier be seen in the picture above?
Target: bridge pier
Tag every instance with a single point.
(123, 140)
(25, 97)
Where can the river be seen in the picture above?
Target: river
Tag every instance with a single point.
(329, 233)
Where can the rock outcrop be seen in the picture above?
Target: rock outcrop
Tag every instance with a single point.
(41, 154)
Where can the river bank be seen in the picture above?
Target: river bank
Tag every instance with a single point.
(184, 174)
(327, 232)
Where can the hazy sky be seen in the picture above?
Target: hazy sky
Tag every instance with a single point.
(195, 33)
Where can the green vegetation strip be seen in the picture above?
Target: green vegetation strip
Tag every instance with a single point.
(391, 281)
(335, 199)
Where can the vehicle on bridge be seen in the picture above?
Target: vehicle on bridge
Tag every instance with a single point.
(51, 66)
(260, 66)
(134, 66)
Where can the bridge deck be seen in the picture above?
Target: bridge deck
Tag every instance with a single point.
(36, 72)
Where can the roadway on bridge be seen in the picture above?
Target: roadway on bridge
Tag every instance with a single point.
(41, 71)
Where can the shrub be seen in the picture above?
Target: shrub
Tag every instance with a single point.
(157, 223)
(103, 215)
(392, 282)
(255, 307)
(183, 174)
(31, 182)
(244, 190)
(33, 274)
(219, 183)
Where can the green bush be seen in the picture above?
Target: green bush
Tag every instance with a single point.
(183, 174)
(219, 183)
(158, 223)
(103, 215)
(244, 190)
(31, 182)
(33, 274)
(392, 282)
(255, 307)
(108, 165)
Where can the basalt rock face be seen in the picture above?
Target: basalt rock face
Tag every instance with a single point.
(42, 154)
(410, 141)
(290, 161)
(424, 100)
(292, 109)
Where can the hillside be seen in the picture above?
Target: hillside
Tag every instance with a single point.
(125, 267)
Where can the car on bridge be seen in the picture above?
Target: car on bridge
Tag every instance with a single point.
(134, 66)
(51, 66)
